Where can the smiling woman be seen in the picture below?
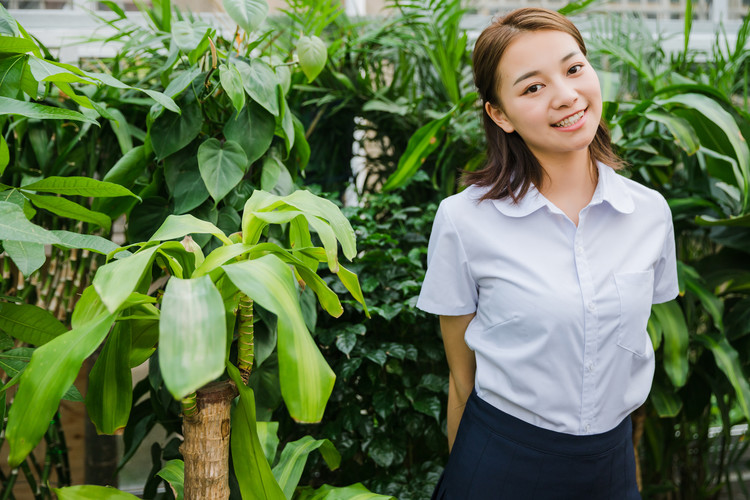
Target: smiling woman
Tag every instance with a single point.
(543, 272)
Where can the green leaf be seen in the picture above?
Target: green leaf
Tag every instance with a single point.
(52, 369)
(172, 132)
(275, 177)
(26, 255)
(15, 226)
(268, 435)
(4, 154)
(250, 465)
(294, 457)
(306, 379)
(285, 124)
(676, 340)
(115, 281)
(222, 166)
(40, 111)
(253, 129)
(350, 281)
(162, 99)
(248, 14)
(90, 242)
(110, 390)
(179, 226)
(740, 221)
(129, 167)
(231, 82)
(188, 35)
(666, 401)
(80, 186)
(144, 336)
(312, 54)
(421, 144)
(356, 491)
(260, 84)
(184, 180)
(192, 335)
(8, 25)
(87, 492)
(683, 133)
(66, 208)
(173, 472)
(728, 361)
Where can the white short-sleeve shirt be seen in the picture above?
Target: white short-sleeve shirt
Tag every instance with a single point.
(561, 311)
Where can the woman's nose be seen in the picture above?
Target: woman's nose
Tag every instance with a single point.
(565, 95)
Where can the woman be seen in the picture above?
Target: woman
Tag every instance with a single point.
(543, 272)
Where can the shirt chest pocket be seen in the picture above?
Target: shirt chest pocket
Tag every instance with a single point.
(635, 291)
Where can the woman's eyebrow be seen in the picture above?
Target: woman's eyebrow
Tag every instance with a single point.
(536, 72)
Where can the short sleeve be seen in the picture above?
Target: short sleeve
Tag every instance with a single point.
(666, 287)
(448, 288)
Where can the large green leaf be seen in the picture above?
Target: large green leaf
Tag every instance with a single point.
(268, 435)
(29, 323)
(312, 54)
(192, 335)
(179, 226)
(172, 132)
(110, 390)
(15, 226)
(248, 14)
(173, 472)
(90, 242)
(88, 492)
(231, 82)
(222, 166)
(184, 180)
(52, 369)
(665, 400)
(294, 457)
(66, 208)
(355, 491)
(11, 76)
(260, 84)
(306, 379)
(4, 154)
(129, 167)
(253, 129)
(683, 133)
(81, 186)
(115, 281)
(676, 338)
(40, 111)
(728, 361)
(421, 144)
(250, 465)
(16, 45)
(26, 255)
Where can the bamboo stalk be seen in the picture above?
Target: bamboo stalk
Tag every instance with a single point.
(30, 479)
(8, 491)
(246, 339)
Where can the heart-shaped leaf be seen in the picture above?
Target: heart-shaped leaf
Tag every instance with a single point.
(222, 166)
(312, 55)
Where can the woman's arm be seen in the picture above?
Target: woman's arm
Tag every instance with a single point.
(462, 365)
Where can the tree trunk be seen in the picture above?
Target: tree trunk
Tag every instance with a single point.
(638, 419)
(206, 446)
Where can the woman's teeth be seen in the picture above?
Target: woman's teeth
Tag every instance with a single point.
(570, 120)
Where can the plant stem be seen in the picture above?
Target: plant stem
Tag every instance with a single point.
(8, 492)
(30, 478)
(246, 339)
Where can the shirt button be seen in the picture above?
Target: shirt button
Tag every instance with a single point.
(591, 306)
(590, 367)
(588, 427)
(579, 249)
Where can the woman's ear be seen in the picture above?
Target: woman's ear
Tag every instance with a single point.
(499, 117)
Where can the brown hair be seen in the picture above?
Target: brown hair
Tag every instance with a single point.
(511, 167)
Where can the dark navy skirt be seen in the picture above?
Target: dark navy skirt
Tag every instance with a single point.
(497, 456)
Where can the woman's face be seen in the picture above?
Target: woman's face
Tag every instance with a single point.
(549, 94)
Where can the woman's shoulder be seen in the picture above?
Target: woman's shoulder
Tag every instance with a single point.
(643, 197)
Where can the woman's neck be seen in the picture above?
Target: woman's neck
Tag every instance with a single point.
(570, 185)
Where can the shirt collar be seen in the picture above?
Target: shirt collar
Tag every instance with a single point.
(611, 189)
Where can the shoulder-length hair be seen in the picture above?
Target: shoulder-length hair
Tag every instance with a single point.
(511, 167)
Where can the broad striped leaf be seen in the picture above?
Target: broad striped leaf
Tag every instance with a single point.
(29, 323)
(66, 208)
(39, 111)
(173, 472)
(675, 339)
(306, 379)
(15, 226)
(114, 282)
(87, 492)
(52, 369)
(294, 457)
(192, 335)
(179, 226)
(78, 186)
(728, 361)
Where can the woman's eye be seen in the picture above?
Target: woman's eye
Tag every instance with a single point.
(575, 69)
(533, 89)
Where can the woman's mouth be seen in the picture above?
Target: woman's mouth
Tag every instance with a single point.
(571, 120)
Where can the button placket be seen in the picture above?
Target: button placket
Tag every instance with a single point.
(590, 329)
